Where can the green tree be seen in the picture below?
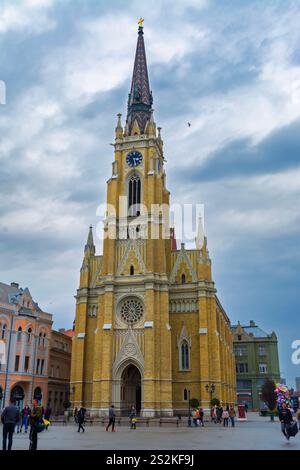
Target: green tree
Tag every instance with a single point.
(194, 402)
(215, 401)
(268, 394)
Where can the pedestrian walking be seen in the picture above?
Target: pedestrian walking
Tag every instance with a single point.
(298, 418)
(132, 417)
(10, 417)
(75, 413)
(214, 414)
(35, 421)
(201, 416)
(232, 415)
(285, 418)
(25, 417)
(112, 418)
(19, 423)
(219, 414)
(225, 417)
(80, 419)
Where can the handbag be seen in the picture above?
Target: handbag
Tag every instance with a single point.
(292, 429)
(40, 427)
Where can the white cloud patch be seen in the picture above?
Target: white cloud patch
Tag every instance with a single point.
(26, 16)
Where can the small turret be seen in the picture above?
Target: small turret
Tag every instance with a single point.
(119, 128)
(89, 249)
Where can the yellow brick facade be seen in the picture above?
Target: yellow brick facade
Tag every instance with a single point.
(134, 312)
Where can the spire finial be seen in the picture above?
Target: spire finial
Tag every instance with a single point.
(140, 23)
(89, 248)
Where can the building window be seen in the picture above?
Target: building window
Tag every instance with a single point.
(3, 329)
(44, 340)
(263, 369)
(29, 331)
(37, 366)
(131, 270)
(240, 351)
(40, 338)
(17, 363)
(261, 350)
(183, 280)
(239, 337)
(52, 371)
(134, 195)
(57, 371)
(185, 355)
(19, 335)
(26, 364)
(185, 394)
(241, 368)
(42, 366)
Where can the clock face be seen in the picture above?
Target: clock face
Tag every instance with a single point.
(134, 158)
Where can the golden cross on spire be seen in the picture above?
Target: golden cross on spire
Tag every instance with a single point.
(140, 22)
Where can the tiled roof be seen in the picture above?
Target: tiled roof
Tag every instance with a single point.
(140, 97)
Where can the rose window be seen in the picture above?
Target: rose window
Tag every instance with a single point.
(131, 311)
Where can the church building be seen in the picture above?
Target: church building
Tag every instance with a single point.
(150, 330)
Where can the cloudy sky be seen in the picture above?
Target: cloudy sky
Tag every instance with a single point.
(231, 68)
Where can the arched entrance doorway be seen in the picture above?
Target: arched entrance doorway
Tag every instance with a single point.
(131, 389)
(17, 396)
(38, 394)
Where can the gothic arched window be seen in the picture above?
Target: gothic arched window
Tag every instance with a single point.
(29, 331)
(134, 195)
(19, 336)
(183, 279)
(131, 270)
(185, 360)
(3, 332)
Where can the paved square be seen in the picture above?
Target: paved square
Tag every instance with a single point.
(256, 433)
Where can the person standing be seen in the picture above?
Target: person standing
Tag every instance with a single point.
(80, 419)
(35, 419)
(232, 415)
(112, 418)
(132, 417)
(10, 417)
(285, 418)
(25, 417)
(225, 417)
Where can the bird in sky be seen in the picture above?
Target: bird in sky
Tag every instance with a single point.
(189, 124)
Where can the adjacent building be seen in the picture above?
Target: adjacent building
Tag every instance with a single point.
(25, 331)
(150, 329)
(256, 355)
(59, 370)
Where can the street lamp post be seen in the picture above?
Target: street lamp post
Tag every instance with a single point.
(210, 388)
(190, 418)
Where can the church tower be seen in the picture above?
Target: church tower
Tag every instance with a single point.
(149, 327)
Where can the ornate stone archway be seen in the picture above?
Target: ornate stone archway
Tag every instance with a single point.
(127, 386)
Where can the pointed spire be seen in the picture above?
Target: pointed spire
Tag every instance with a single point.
(119, 128)
(140, 97)
(200, 234)
(89, 249)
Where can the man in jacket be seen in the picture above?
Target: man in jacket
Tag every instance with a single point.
(285, 418)
(35, 419)
(112, 418)
(10, 417)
